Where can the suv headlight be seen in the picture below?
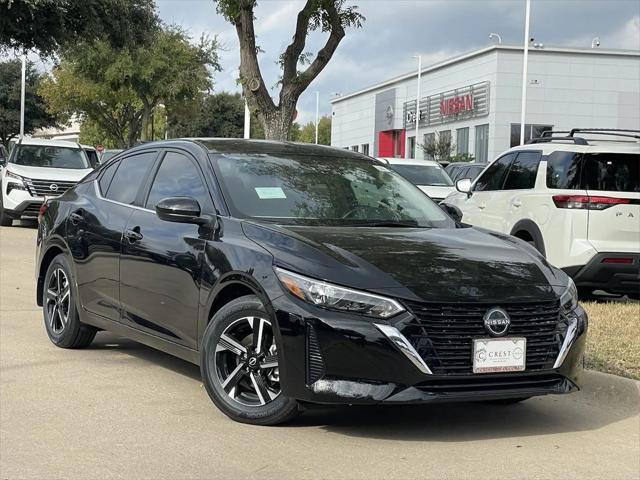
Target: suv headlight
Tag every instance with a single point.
(14, 176)
(333, 297)
(569, 299)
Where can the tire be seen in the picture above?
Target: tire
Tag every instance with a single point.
(234, 365)
(59, 308)
(5, 220)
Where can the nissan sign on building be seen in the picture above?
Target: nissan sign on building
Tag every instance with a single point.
(474, 100)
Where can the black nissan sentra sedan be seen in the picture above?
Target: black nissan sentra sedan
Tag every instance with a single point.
(295, 274)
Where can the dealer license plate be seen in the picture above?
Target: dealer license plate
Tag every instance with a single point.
(492, 355)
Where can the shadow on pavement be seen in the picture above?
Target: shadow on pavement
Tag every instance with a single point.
(605, 399)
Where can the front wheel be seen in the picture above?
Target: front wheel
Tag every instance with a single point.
(61, 318)
(239, 365)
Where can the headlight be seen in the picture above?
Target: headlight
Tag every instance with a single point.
(569, 299)
(330, 296)
(14, 176)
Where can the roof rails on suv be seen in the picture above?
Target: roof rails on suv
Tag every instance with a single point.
(569, 135)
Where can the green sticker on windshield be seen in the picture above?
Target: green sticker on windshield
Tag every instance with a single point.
(265, 193)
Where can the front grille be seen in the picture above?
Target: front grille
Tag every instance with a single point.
(32, 210)
(40, 188)
(477, 384)
(443, 333)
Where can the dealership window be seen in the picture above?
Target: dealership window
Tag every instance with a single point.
(429, 139)
(365, 148)
(412, 147)
(530, 131)
(445, 136)
(462, 140)
(482, 143)
(354, 148)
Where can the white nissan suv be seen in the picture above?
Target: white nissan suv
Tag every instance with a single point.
(37, 168)
(574, 198)
(427, 175)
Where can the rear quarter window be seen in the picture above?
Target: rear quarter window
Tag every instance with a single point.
(563, 170)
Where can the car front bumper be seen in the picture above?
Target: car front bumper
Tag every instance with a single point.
(336, 358)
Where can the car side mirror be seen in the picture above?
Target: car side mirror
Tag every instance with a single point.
(464, 185)
(453, 211)
(180, 210)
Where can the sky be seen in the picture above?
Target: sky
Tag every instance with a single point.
(397, 30)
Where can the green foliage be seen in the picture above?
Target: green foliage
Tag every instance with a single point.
(48, 25)
(119, 89)
(307, 134)
(440, 149)
(36, 114)
(462, 157)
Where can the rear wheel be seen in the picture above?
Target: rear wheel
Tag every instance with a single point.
(239, 365)
(61, 318)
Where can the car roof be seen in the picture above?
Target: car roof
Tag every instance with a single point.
(88, 147)
(239, 145)
(47, 142)
(593, 147)
(409, 161)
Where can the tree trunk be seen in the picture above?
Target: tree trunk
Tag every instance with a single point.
(277, 122)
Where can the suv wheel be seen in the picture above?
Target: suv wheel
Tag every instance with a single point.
(61, 318)
(239, 365)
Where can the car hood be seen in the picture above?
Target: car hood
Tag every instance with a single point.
(48, 173)
(415, 263)
(436, 191)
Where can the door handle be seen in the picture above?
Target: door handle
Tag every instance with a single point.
(76, 217)
(133, 235)
(517, 203)
(482, 206)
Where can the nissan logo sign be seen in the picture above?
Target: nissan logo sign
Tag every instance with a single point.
(497, 321)
(53, 187)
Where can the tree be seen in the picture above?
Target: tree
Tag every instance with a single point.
(47, 25)
(307, 134)
(328, 16)
(440, 149)
(119, 89)
(36, 114)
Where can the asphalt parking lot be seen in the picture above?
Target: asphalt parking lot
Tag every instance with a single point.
(122, 410)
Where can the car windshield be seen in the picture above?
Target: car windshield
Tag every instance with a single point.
(107, 154)
(316, 190)
(50, 157)
(424, 174)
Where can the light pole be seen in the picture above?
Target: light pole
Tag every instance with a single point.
(22, 93)
(524, 69)
(247, 120)
(317, 114)
(415, 143)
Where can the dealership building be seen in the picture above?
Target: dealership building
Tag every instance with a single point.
(475, 100)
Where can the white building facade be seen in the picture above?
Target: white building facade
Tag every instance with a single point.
(476, 100)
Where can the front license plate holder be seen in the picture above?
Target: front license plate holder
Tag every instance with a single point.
(496, 355)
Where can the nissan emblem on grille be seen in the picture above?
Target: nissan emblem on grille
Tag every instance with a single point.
(53, 187)
(497, 321)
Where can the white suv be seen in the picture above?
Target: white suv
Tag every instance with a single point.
(427, 175)
(576, 200)
(37, 168)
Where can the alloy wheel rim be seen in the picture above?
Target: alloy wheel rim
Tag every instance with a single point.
(246, 362)
(58, 301)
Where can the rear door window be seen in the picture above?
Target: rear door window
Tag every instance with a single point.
(130, 177)
(612, 172)
(564, 170)
(493, 177)
(523, 171)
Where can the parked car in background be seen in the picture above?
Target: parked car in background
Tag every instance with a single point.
(299, 273)
(37, 168)
(576, 199)
(109, 153)
(459, 170)
(92, 155)
(428, 175)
